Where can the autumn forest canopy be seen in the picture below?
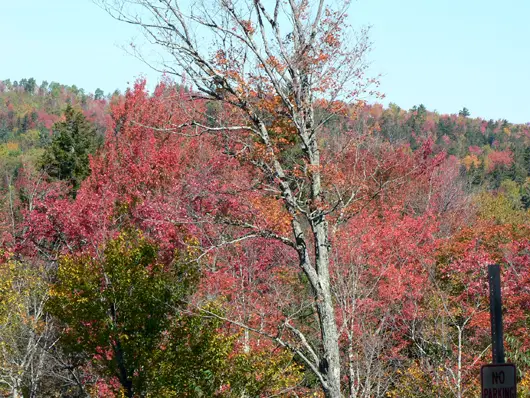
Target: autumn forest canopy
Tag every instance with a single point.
(257, 225)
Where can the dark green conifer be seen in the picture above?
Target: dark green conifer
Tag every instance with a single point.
(73, 139)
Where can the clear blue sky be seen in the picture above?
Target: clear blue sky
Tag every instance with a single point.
(446, 54)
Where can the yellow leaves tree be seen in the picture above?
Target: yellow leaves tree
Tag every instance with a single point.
(471, 160)
(503, 207)
(26, 331)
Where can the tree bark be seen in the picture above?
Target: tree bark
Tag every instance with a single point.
(294, 56)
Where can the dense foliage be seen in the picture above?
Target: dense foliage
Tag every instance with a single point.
(250, 238)
(136, 278)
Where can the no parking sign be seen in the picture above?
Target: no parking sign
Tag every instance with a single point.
(498, 381)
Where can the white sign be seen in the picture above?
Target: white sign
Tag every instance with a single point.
(498, 381)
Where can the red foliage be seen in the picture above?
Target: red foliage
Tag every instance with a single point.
(467, 257)
(157, 174)
(46, 119)
(499, 158)
(475, 150)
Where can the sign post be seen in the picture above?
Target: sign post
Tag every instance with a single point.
(497, 339)
(498, 380)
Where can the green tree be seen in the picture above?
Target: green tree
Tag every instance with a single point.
(464, 112)
(116, 308)
(30, 85)
(99, 94)
(125, 313)
(44, 86)
(66, 158)
(503, 207)
(199, 360)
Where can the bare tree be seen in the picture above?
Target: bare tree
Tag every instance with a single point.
(293, 60)
(26, 330)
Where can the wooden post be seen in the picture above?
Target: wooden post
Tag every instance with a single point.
(497, 347)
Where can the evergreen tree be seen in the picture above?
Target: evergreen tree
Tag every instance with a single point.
(526, 159)
(464, 112)
(30, 85)
(99, 94)
(44, 86)
(476, 175)
(517, 171)
(66, 158)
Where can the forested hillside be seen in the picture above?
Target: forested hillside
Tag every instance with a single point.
(143, 256)
(28, 112)
(488, 151)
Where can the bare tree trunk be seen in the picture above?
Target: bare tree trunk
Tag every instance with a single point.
(275, 61)
(330, 363)
(459, 369)
(351, 363)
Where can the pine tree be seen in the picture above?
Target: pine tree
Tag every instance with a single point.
(464, 112)
(66, 158)
(99, 94)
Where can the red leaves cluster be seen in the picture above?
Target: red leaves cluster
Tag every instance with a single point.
(467, 257)
(499, 158)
